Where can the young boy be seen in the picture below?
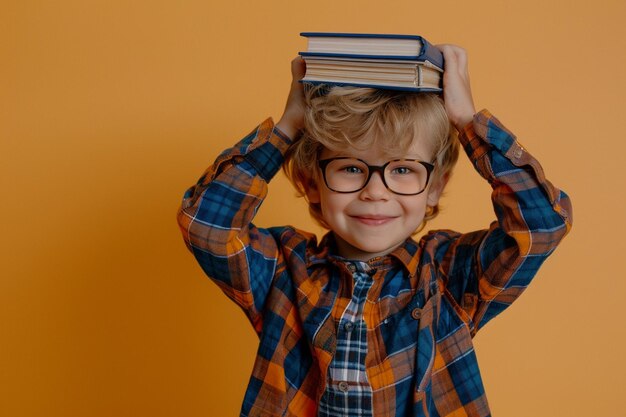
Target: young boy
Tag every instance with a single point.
(370, 322)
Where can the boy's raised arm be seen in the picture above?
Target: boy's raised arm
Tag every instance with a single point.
(488, 270)
(215, 216)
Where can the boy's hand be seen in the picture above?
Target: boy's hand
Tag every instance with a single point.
(457, 94)
(292, 120)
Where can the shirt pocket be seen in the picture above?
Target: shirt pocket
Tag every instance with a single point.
(455, 372)
(396, 344)
(401, 365)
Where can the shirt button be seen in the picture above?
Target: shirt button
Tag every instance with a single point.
(343, 386)
(416, 313)
(348, 326)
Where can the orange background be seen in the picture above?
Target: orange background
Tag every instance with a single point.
(110, 109)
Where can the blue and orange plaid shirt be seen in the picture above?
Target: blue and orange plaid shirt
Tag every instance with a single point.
(426, 301)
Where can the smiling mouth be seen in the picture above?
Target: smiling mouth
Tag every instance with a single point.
(373, 220)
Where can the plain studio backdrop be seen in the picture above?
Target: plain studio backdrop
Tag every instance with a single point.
(110, 109)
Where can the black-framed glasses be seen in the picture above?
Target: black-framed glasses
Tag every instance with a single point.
(400, 176)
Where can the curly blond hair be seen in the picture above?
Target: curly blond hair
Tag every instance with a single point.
(338, 118)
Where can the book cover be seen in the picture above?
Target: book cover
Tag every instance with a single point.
(383, 61)
(372, 46)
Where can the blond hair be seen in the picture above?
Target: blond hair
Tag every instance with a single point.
(338, 118)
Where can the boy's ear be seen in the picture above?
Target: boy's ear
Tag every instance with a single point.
(436, 189)
(312, 192)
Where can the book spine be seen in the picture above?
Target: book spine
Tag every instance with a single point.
(431, 53)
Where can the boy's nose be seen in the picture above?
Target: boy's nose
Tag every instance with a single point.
(375, 189)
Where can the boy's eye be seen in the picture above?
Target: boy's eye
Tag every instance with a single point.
(402, 170)
(352, 169)
(348, 168)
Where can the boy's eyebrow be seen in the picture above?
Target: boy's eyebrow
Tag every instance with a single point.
(365, 155)
(387, 158)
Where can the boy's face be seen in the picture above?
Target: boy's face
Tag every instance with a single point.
(374, 221)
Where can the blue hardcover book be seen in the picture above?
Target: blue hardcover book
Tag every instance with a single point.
(397, 62)
(372, 46)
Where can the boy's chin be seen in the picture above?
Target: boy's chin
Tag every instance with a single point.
(363, 251)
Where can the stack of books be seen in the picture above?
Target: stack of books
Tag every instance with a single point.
(384, 61)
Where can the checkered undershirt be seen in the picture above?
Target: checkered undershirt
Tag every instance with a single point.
(348, 392)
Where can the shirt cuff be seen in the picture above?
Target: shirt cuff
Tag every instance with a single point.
(267, 149)
(485, 132)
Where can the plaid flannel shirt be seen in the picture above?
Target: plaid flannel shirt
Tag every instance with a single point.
(428, 298)
(348, 391)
